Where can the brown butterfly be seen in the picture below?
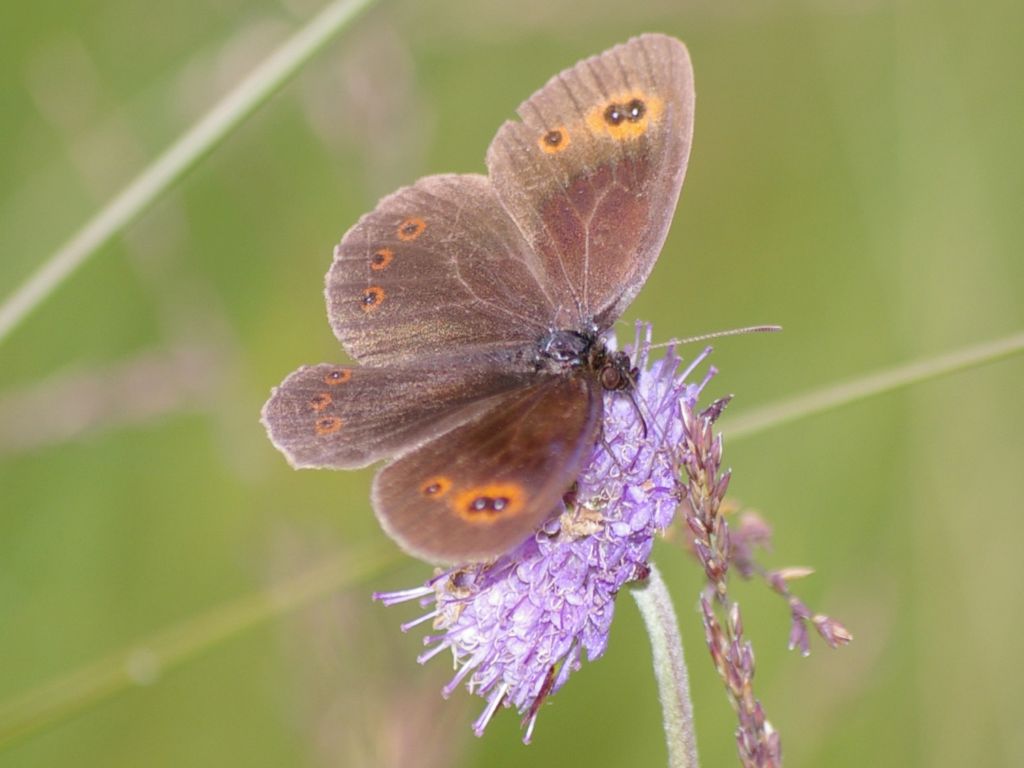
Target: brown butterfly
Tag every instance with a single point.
(476, 307)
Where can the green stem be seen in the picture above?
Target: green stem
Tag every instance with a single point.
(870, 385)
(160, 175)
(669, 668)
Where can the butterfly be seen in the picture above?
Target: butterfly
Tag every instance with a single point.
(476, 307)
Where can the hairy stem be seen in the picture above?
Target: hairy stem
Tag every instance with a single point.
(669, 668)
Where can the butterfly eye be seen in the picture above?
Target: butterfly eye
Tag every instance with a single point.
(611, 378)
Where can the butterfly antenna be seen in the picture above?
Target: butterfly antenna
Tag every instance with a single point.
(719, 334)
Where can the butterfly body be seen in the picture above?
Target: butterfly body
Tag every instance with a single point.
(585, 352)
(477, 307)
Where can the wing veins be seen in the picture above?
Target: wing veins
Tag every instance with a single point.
(558, 186)
(502, 310)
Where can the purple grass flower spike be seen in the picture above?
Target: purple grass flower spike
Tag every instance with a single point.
(519, 626)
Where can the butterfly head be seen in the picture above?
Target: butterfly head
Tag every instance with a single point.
(586, 352)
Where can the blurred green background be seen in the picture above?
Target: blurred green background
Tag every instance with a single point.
(856, 177)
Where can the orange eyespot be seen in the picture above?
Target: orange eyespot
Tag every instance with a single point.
(381, 259)
(490, 502)
(327, 425)
(337, 376)
(625, 116)
(320, 401)
(633, 112)
(372, 298)
(555, 140)
(410, 229)
(436, 487)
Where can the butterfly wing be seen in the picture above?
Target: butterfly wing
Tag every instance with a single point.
(350, 416)
(562, 235)
(482, 488)
(592, 173)
(436, 266)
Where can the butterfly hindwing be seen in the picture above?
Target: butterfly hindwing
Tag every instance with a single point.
(485, 486)
(592, 173)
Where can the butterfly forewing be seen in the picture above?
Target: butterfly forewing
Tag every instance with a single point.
(592, 173)
(436, 266)
(349, 416)
(485, 486)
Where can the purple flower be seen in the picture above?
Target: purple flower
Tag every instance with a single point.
(519, 626)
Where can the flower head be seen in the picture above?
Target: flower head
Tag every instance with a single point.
(519, 626)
